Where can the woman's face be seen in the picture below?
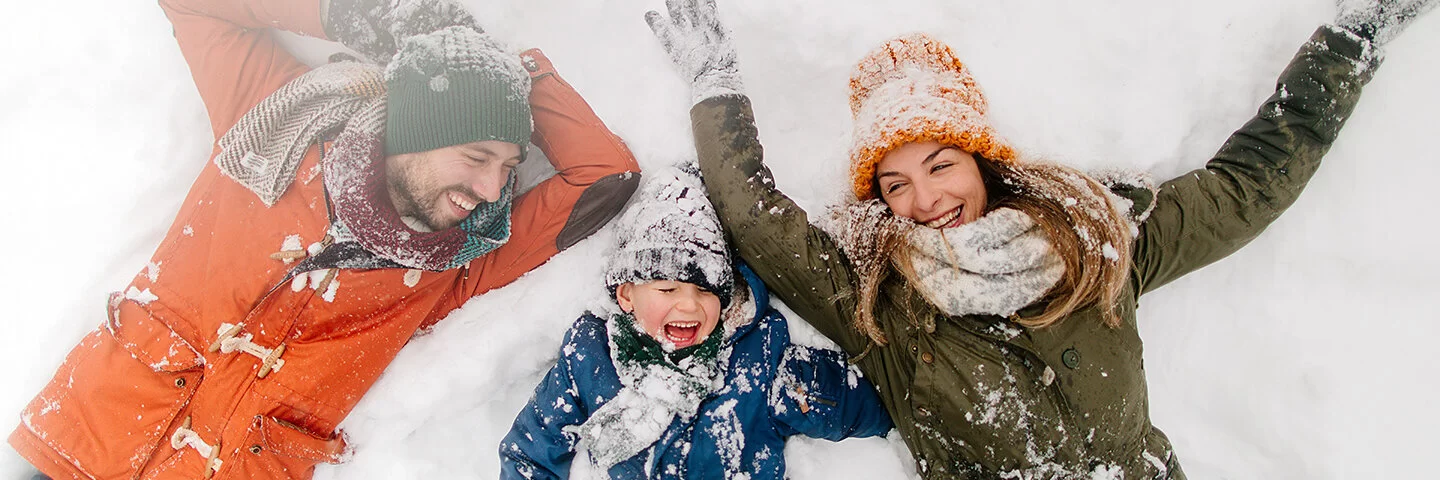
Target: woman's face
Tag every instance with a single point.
(935, 185)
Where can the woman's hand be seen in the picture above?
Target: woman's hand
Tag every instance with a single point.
(699, 45)
(1380, 20)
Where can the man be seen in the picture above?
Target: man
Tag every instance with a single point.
(346, 207)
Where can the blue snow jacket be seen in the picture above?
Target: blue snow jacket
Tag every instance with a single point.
(772, 390)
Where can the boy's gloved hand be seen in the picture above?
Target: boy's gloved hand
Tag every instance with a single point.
(1380, 20)
(699, 45)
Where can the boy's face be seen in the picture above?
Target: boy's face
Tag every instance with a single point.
(673, 312)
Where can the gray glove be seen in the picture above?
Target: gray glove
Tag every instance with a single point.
(375, 27)
(699, 45)
(1380, 20)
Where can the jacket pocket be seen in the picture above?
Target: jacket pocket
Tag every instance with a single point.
(112, 402)
(275, 448)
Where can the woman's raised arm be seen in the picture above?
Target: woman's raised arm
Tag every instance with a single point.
(1208, 213)
(797, 261)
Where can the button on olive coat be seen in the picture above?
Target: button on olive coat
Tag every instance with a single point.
(981, 397)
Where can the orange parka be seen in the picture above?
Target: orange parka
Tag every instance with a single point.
(151, 378)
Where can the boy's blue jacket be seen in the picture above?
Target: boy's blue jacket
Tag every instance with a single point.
(741, 428)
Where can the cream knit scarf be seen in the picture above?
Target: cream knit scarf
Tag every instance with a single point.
(995, 265)
(264, 148)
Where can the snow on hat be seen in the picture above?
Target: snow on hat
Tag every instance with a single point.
(455, 86)
(913, 89)
(672, 233)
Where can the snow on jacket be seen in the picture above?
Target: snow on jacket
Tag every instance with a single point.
(979, 396)
(147, 381)
(740, 429)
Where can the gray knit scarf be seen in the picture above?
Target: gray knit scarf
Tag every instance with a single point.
(263, 150)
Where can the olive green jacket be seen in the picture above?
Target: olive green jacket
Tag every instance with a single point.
(979, 396)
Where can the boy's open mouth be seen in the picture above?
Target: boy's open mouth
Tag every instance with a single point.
(682, 334)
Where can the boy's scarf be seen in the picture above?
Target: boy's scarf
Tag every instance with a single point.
(264, 149)
(659, 386)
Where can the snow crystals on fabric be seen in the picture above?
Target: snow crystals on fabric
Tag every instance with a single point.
(911, 89)
(995, 265)
(459, 49)
(372, 27)
(292, 243)
(701, 49)
(730, 438)
(329, 293)
(672, 233)
(1380, 21)
(152, 271)
(440, 83)
(143, 297)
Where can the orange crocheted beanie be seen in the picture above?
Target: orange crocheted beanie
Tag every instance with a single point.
(913, 89)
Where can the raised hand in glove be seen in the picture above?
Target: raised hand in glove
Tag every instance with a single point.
(1380, 20)
(699, 45)
(375, 27)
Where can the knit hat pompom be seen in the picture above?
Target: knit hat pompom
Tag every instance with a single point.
(672, 233)
(455, 86)
(914, 89)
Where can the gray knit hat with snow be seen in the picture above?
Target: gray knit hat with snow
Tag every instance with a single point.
(672, 233)
(455, 86)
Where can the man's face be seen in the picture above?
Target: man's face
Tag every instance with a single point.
(440, 187)
(678, 313)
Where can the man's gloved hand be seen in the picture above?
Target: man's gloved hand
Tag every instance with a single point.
(1380, 20)
(375, 27)
(699, 45)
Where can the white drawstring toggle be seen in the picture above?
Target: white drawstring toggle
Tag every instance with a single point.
(269, 358)
(185, 437)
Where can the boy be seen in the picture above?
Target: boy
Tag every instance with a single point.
(695, 376)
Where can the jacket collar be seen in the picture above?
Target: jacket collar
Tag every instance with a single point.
(756, 306)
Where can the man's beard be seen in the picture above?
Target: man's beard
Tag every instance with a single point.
(405, 195)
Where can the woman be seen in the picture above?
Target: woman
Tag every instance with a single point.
(992, 300)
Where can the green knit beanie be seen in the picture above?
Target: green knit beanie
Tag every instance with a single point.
(455, 86)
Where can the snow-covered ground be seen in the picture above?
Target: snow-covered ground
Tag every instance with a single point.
(1303, 356)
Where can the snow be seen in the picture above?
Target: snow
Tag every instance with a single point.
(143, 297)
(669, 230)
(479, 54)
(1305, 355)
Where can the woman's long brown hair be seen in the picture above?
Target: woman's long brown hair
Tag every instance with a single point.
(1085, 228)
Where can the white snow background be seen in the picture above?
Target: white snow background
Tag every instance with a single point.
(1307, 355)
